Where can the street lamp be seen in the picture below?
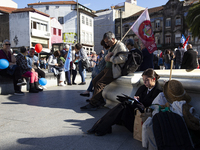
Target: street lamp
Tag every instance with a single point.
(77, 21)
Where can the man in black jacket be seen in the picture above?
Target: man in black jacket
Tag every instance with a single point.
(189, 58)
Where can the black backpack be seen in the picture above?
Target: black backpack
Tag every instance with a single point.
(170, 132)
(132, 63)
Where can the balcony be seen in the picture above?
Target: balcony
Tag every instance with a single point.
(39, 33)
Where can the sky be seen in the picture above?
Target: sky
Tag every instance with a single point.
(99, 4)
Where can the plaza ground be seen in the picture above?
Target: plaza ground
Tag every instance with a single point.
(52, 120)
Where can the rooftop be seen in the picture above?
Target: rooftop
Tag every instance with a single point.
(150, 10)
(54, 3)
(7, 9)
(29, 10)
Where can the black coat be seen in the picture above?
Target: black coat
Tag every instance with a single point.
(128, 115)
(189, 60)
(147, 99)
(147, 60)
(123, 113)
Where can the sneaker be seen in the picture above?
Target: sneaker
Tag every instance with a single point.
(21, 82)
(19, 93)
(82, 83)
(85, 94)
(61, 84)
(44, 87)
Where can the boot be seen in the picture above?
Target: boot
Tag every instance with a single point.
(37, 86)
(32, 88)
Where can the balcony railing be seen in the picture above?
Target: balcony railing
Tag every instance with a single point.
(39, 33)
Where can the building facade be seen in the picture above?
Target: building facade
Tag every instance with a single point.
(4, 23)
(66, 13)
(103, 23)
(28, 27)
(168, 24)
(105, 20)
(56, 31)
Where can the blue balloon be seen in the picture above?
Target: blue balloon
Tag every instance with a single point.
(4, 63)
(42, 81)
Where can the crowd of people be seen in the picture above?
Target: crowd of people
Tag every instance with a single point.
(106, 68)
(172, 98)
(182, 58)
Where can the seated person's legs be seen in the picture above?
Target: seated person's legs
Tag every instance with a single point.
(32, 79)
(62, 78)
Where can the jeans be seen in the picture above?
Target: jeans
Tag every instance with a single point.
(177, 66)
(90, 87)
(68, 77)
(167, 66)
(74, 73)
(81, 71)
(33, 76)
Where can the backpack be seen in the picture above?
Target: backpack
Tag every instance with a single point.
(132, 63)
(170, 132)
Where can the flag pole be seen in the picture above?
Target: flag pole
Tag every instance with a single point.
(126, 34)
(172, 61)
(133, 25)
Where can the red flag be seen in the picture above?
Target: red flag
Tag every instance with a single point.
(143, 29)
(186, 41)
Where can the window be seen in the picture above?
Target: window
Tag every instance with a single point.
(47, 7)
(90, 38)
(167, 39)
(57, 7)
(178, 21)
(83, 36)
(83, 20)
(177, 37)
(157, 40)
(86, 21)
(54, 31)
(90, 22)
(168, 23)
(118, 29)
(87, 37)
(38, 26)
(45, 27)
(59, 32)
(157, 24)
(61, 20)
(34, 25)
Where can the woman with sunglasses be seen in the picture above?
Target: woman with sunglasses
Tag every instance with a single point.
(13, 71)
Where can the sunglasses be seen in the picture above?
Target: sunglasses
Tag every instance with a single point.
(8, 44)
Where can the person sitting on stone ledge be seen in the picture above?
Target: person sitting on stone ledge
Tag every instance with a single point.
(97, 69)
(110, 73)
(28, 71)
(34, 63)
(123, 113)
(56, 68)
(13, 71)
